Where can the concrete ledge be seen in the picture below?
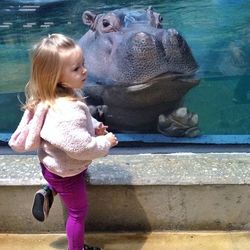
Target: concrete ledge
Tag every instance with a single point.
(138, 192)
(141, 169)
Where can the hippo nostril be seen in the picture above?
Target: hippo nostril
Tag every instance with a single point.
(172, 38)
(142, 37)
(172, 32)
(176, 40)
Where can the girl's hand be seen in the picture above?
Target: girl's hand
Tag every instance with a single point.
(101, 129)
(112, 139)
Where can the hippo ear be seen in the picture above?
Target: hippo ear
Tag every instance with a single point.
(150, 8)
(88, 17)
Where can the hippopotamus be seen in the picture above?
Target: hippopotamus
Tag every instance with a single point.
(138, 73)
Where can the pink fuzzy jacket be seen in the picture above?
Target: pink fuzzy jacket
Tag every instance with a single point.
(64, 136)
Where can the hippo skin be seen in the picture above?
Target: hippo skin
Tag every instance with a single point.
(138, 73)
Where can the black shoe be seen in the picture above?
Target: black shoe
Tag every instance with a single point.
(86, 247)
(42, 203)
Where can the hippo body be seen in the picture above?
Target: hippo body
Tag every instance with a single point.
(138, 73)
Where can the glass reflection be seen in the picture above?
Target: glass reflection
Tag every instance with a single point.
(216, 30)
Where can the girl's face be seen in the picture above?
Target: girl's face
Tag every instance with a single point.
(73, 72)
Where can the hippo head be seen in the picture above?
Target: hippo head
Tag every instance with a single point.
(138, 73)
(130, 47)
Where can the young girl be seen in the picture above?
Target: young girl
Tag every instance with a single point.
(57, 123)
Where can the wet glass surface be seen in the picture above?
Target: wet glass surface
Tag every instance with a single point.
(217, 31)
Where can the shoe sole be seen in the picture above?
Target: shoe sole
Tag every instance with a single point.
(37, 209)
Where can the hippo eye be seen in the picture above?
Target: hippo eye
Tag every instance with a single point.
(105, 23)
(160, 19)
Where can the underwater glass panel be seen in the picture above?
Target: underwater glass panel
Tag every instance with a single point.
(217, 32)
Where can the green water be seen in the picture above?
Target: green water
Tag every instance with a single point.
(217, 31)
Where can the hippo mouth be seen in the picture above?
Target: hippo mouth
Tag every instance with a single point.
(176, 78)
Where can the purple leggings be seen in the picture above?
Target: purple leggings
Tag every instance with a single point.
(72, 191)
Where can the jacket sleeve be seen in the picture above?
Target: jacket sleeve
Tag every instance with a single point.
(70, 132)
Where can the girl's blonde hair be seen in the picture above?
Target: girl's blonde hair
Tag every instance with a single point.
(46, 67)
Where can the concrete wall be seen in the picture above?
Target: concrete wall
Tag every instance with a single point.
(139, 192)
